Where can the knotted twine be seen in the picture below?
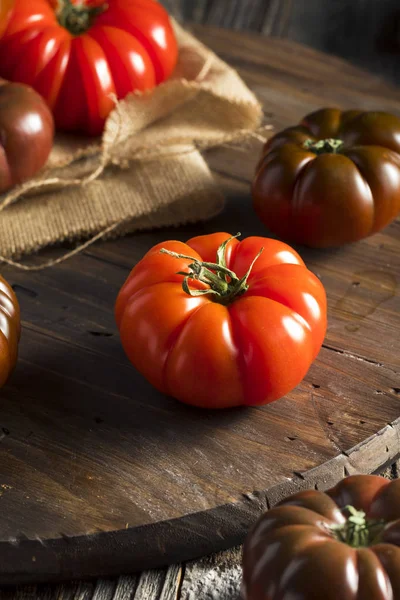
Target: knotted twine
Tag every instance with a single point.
(146, 172)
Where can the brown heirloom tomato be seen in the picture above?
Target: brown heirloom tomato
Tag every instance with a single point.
(331, 180)
(26, 133)
(343, 544)
(10, 327)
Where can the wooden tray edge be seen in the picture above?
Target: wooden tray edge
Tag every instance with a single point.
(186, 538)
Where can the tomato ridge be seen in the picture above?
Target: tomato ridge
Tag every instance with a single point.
(172, 341)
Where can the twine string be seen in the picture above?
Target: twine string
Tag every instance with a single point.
(63, 257)
(228, 140)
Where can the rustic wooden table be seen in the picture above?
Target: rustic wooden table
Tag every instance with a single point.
(290, 80)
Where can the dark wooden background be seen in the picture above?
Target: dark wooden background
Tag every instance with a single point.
(366, 32)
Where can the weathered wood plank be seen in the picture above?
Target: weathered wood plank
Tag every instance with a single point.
(353, 29)
(174, 7)
(172, 584)
(235, 14)
(150, 585)
(104, 589)
(126, 587)
(84, 592)
(363, 31)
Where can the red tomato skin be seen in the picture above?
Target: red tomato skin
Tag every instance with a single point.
(130, 46)
(272, 360)
(6, 8)
(214, 379)
(149, 317)
(250, 352)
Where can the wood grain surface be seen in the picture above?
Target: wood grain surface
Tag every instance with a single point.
(100, 474)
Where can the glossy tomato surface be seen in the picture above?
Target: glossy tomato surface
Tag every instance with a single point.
(26, 133)
(6, 7)
(332, 179)
(251, 350)
(313, 547)
(119, 46)
(10, 328)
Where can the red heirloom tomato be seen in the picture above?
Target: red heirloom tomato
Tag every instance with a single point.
(78, 55)
(216, 322)
(6, 7)
(331, 180)
(10, 328)
(343, 544)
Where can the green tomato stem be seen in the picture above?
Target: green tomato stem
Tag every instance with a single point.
(224, 285)
(327, 146)
(77, 18)
(358, 531)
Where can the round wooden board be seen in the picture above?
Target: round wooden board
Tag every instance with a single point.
(100, 474)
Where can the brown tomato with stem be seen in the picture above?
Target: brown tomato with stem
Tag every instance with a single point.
(342, 544)
(332, 179)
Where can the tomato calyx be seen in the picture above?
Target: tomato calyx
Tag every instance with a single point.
(77, 18)
(327, 146)
(224, 285)
(358, 531)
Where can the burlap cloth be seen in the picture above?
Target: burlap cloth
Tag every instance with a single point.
(146, 172)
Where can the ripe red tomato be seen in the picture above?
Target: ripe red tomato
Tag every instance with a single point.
(79, 55)
(6, 7)
(227, 331)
